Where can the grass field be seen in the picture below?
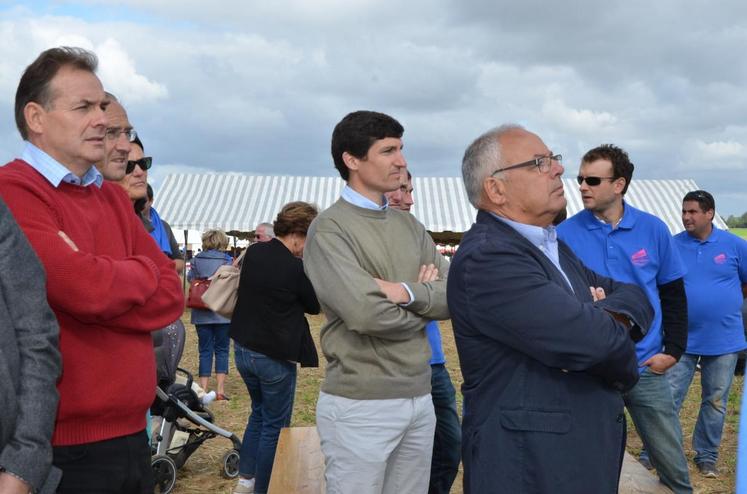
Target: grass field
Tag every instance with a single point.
(742, 232)
(201, 472)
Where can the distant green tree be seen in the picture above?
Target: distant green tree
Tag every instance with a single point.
(737, 221)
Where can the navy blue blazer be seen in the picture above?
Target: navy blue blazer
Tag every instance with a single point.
(543, 365)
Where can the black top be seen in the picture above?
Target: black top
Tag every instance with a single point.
(274, 294)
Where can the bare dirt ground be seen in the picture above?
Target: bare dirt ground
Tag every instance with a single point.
(201, 474)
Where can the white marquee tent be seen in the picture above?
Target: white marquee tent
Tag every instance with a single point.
(240, 201)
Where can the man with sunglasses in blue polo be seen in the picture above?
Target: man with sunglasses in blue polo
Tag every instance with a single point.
(619, 241)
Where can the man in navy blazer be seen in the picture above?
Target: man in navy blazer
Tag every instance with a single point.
(546, 345)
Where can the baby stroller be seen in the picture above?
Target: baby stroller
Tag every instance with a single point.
(180, 410)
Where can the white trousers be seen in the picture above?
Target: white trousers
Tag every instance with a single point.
(376, 446)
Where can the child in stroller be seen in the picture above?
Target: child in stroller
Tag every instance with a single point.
(179, 408)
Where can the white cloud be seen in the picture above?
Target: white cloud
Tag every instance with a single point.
(118, 74)
(260, 88)
(577, 120)
(719, 150)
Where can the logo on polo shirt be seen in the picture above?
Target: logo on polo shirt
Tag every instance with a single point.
(639, 258)
(720, 259)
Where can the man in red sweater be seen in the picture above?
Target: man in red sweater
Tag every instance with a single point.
(107, 282)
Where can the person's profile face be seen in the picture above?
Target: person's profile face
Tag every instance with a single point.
(72, 128)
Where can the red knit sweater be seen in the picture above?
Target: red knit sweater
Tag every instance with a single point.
(108, 297)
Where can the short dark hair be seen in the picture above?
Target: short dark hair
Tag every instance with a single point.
(294, 217)
(356, 133)
(621, 164)
(704, 199)
(149, 192)
(34, 83)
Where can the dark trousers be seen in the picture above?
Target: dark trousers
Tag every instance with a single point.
(447, 443)
(114, 466)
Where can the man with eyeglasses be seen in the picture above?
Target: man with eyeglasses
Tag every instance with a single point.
(117, 141)
(617, 240)
(716, 283)
(107, 283)
(545, 344)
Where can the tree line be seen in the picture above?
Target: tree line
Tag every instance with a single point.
(737, 221)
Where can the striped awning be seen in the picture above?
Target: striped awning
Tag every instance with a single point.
(239, 201)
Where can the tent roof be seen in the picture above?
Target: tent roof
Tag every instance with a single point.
(240, 201)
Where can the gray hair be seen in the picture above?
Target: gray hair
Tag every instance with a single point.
(480, 158)
(269, 231)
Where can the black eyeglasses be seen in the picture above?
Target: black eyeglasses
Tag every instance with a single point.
(144, 164)
(592, 181)
(113, 134)
(543, 164)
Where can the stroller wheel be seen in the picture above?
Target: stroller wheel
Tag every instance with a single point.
(230, 466)
(164, 473)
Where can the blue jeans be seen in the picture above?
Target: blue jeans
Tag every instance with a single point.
(651, 407)
(716, 374)
(447, 443)
(271, 384)
(213, 339)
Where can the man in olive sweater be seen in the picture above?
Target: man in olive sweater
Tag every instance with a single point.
(375, 414)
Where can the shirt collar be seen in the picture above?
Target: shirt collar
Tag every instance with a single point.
(358, 199)
(54, 171)
(626, 222)
(712, 238)
(538, 236)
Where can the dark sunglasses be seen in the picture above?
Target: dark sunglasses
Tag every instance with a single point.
(592, 181)
(143, 163)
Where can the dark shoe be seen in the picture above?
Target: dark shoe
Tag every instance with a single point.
(222, 397)
(708, 469)
(645, 462)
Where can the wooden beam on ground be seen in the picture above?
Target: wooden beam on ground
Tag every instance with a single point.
(635, 479)
(299, 463)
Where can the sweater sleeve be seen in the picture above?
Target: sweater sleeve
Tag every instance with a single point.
(27, 453)
(349, 292)
(430, 298)
(139, 292)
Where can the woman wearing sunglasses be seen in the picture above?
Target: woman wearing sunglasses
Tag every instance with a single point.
(135, 183)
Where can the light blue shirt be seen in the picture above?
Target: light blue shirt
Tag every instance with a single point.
(358, 199)
(545, 239)
(55, 172)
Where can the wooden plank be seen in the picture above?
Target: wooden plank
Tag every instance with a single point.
(299, 463)
(635, 479)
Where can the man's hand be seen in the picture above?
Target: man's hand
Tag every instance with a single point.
(427, 273)
(13, 485)
(659, 363)
(68, 241)
(597, 293)
(394, 291)
(397, 294)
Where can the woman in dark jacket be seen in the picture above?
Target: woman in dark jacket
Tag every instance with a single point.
(271, 335)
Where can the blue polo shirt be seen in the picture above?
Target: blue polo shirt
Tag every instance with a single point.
(640, 250)
(716, 269)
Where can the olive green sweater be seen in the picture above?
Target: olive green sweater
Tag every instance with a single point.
(375, 349)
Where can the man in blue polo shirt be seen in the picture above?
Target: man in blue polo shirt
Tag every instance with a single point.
(619, 241)
(447, 442)
(715, 282)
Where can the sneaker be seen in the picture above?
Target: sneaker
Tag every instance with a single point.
(222, 397)
(245, 486)
(645, 462)
(708, 469)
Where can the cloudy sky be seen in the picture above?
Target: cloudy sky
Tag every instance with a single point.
(257, 86)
